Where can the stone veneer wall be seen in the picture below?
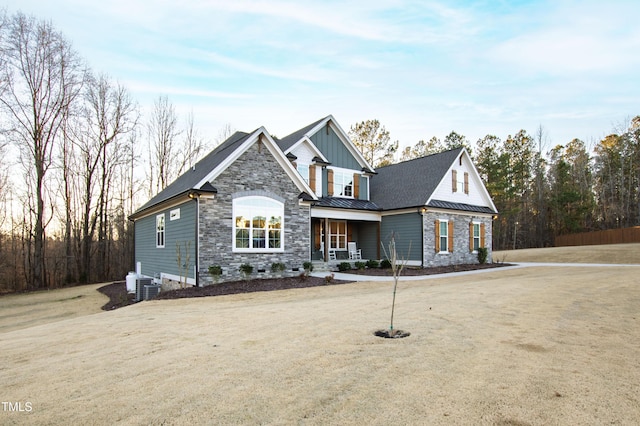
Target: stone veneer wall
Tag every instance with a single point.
(461, 253)
(256, 172)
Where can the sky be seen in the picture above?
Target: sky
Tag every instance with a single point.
(422, 68)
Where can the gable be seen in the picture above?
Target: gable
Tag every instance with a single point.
(469, 190)
(203, 175)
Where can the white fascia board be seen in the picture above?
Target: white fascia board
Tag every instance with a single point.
(345, 214)
(311, 145)
(344, 137)
(273, 148)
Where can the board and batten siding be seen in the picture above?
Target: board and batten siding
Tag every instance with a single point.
(334, 150)
(408, 231)
(156, 260)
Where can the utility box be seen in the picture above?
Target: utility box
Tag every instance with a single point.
(151, 291)
(140, 284)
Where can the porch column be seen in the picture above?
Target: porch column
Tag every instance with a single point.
(326, 239)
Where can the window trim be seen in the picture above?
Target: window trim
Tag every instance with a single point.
(161, 230)
(346, 175)
(258, 212)
(479, 225)
(338, 235)
(441, 236)
(303, 170)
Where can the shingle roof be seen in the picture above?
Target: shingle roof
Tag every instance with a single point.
(190, 178)
(289, 140)
(346, 203)
(410, 183)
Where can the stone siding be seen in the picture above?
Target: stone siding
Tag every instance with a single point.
(256, 172)
(461, 253)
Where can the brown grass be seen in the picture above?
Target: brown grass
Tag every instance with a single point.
(612, 253)
(553, 345)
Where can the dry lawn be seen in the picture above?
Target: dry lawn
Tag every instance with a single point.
(613, 253)
(539, 346)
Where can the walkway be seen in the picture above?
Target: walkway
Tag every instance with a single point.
(356, 277)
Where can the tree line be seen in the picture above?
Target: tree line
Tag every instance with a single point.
(77, 158)
(540, 193)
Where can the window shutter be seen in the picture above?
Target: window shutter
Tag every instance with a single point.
(330, 182)
(312, 177)
(316, 235)
(356, 185)
(454, 180)
(450, 236)
(482, 235)
(466, 183)
(437, 236)
(470, 236)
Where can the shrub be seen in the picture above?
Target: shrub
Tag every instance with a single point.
(344, 266)
(385, 264)
(215, 270)
(483, 253)
(277, 267)
(360, 265)
(372, 264)
(308, 266)
(246, 269)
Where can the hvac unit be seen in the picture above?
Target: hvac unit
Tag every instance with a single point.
(140, 284)
(151, 291)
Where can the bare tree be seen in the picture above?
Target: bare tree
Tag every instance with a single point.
(170, 156)
(108, 114)
(163, 133)
(42, 77)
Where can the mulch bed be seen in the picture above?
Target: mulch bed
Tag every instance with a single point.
(118, 296)
(411, 271)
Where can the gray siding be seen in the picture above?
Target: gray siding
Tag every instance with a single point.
(156, 260)
(334, 150)
(368, 239)
(408, 231)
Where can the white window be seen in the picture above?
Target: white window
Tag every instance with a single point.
(258, 223)
(342, 184)
(338, 234)
(303, 169)
(160, 230)
(444, 236)
(476, 236)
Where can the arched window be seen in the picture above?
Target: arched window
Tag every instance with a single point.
(258, 224)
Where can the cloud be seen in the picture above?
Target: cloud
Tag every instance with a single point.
(574, 39)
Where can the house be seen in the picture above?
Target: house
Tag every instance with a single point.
(259, 200)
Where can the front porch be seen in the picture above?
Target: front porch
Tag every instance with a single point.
(330, 240)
